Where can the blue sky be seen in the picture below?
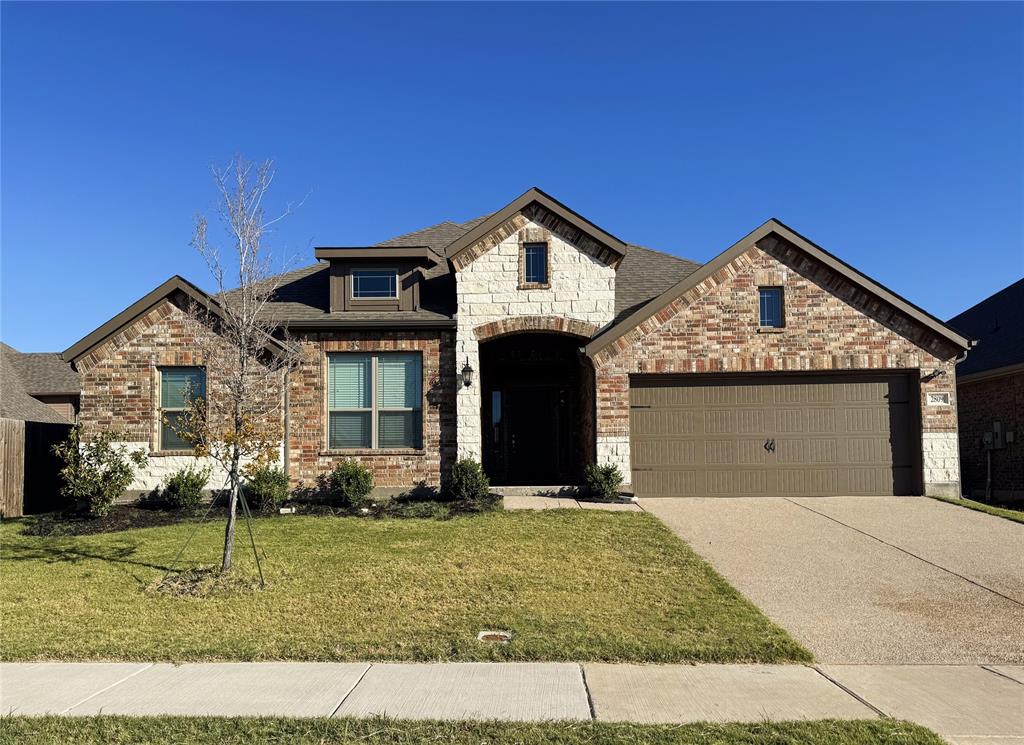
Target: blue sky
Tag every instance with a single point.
(890, 134)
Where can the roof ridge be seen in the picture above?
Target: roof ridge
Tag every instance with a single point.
(664, 253)
(419, 230)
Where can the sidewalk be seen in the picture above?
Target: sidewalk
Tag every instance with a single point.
(966, 704)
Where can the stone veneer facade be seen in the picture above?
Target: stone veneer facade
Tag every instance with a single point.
(308, 454)
(831, 324)
(121, 391)
(580, 295)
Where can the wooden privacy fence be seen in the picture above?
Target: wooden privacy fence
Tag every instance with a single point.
(29, 471)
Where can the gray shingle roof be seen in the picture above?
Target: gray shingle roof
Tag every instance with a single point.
(15, 401)
(303, 296)
(997, 323)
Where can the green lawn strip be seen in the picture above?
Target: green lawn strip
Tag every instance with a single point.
(570, 584)
(250, 731)
(1005, 512)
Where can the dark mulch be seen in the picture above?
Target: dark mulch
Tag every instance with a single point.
(144, 515)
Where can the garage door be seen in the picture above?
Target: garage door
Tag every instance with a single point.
(774, 435)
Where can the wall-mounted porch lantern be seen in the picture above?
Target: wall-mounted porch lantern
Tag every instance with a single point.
(467, 374)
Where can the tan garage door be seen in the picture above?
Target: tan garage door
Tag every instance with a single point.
(774, 435)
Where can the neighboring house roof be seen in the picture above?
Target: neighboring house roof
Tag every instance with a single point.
(15, 401)
(44, 373)
(997, 322)
(773, 226)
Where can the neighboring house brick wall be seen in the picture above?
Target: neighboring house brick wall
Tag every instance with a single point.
(308, 453)
(582, 288)
(120, 390)
(983, 402)
(830, 325)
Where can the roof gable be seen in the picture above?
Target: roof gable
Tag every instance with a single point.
(552, 214)
(775, 228)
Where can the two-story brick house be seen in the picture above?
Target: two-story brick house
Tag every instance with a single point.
(535, 341)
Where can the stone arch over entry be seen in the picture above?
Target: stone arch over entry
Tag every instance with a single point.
(535, 324)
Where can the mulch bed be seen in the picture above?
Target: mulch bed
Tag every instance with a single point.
(131, 516)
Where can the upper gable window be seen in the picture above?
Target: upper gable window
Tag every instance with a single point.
(535, 263)
(374, 284)
(771, 309)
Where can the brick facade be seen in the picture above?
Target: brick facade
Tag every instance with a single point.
(121, 390)
(308, 453)
(831, 324)
(983, 402)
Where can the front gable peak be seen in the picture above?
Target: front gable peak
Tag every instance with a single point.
(540, 208)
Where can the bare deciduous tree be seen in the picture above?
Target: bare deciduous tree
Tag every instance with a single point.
(238, 421)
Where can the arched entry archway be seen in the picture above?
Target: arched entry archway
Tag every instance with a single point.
(536, 409)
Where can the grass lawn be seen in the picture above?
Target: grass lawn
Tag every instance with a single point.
(213, 731)
(569, 584)
(1017, 515)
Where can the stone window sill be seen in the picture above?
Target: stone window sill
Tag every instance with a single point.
(771, 330)
(169, 453)
(372, 451)
(535, 286)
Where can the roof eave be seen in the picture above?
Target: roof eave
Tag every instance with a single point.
(772, 226)
(534, 194)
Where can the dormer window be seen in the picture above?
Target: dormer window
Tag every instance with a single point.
(534, 265)
(374, 284)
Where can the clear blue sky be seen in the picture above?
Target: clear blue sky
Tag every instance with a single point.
(891, 134)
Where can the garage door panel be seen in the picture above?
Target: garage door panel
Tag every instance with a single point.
(707, 435)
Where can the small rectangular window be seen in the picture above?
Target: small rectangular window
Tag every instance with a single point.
(374, 284)
(179, 386)
(374, 401)
(535, 259)
(771, 307)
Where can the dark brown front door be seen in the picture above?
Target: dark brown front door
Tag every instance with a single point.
(775, 435)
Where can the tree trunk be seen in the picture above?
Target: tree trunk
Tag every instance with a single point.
(229, 531)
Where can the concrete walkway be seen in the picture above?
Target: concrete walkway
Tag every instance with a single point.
(551, 502)
(965, 704)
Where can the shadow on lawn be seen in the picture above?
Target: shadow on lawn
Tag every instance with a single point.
(123, 553)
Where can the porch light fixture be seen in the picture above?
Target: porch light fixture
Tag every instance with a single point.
(467, 374)
(932, 375)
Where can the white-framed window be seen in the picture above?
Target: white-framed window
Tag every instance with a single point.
(535, 263)
(374, 284)
(770, 304)
(179, 385)
(374, 400)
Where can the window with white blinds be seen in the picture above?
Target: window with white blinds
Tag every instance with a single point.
(375, 400)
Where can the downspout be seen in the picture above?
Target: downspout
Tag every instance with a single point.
(287, 423)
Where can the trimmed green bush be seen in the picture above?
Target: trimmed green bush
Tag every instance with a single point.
(602, 482)
(184, 488)
(350, 484)
(95, 472)
(266, 488)
(467, 482)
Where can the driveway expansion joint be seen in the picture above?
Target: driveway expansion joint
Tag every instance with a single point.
(905, 551)
(1000, 674)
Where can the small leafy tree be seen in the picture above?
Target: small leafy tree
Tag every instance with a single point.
(602, 482)
(467, 482)
(95, 471)
(350, 484)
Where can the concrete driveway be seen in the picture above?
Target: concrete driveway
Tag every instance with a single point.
(879, 580)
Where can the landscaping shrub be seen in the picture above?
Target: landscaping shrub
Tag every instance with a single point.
(467, 482)
(95, 472)
(350, 483)
(602, 482)
(184, 488)
(266, 488)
